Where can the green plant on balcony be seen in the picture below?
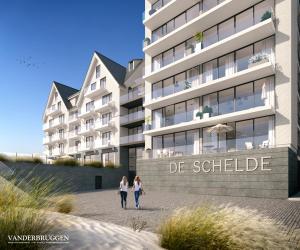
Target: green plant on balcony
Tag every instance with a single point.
(199, 37)
(187, 85)
(147, 41)
(148, 122)
(199, 114)
(266, 16)
(207, 111)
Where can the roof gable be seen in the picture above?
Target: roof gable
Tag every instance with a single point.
(65, 92)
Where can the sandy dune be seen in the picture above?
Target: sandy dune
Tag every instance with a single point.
(90, 234)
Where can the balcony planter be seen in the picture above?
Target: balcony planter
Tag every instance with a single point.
(199, 114)
(258, 59)
(207, 111)
(152, 11)
(266, 16)
(190, 49)
(147, 41)
(199, 40)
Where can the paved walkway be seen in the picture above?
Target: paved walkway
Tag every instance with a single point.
(105, 206)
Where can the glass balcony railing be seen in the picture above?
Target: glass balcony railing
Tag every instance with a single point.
(136, 116)
(132, 96)
(218, 103)
(132, 138)
(155, 7)
(207, 38)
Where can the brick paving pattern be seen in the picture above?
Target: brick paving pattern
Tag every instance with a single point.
(105, 206)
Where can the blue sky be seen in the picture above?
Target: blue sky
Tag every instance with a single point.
(46, 40)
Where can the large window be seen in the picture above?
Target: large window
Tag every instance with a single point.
(226, 101)
(242, 58)
(106, 138)
(108, 158)
(103, 82)
(226, 29)
(89, 106)
(98, 71)
(89, 141)
(106, 99)
(106, 118)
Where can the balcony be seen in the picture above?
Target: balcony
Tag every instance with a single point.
(106, 107)
(104, 144)
(102, 125)
(74, 134)
(74, 118)
(87, 129)
(54, 110)
(200, 55)
(132, 139)
(87, 112)
(133, 118)
(198, 86)
(87, 147)
(164, 11)
(75, 150)
(194, 23)
(95, 90)
(135, 97)
(53, 125)
(169, 126)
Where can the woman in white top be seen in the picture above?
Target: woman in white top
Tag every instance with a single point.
(137, 187)
(123, 191)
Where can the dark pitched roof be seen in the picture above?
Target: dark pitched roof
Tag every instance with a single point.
(65, 91)
(130, 73)
(117, 70)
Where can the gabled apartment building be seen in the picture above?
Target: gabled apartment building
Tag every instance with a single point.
(92, 123)
(221, 77)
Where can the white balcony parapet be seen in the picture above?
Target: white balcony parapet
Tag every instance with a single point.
(98, 89)
(136, 138)
(131, 97)
(107, 106)
(56, 123)
(74, 133)
(101, 125)
(259, 70)
(87, 129)
(74, 149)
(74, 117)
(53, 110)
(87, 112)
(245, 37)
(205, 122)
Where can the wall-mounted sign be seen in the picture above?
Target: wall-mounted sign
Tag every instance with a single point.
(249, 164)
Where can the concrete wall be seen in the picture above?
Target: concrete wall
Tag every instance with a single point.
(273, 183)
(76, 178)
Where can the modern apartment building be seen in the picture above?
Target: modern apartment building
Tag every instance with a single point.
(102, 120)
(221, 77)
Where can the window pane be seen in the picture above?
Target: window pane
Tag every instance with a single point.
(190, 46)
(242, 58)
(180, 20)
(210, 71)
(210, 36)
(244, 135)
(180, 148)
(157, 62)
(169, 115)
(192, 109)
(179, 51)
(192, 13)
(244, 97)
(180, 114)
(261, 132)
(170, 26)
(157, 90)
(226, 29)
(210, 141)
(168, 86)
(157, 34)
(211, 101)
(193, 78)
(157, 142)
(168, 57)
(208, 4)
(226, 65)
(192, 141)
(168, 141)
(157, 118)
(179, 82)
(226, 101)
(244, 20)
(260, 92)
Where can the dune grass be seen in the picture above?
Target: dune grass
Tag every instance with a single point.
(224, 227)
(28, 159)
(24, 206)
(66, 162)
(111, 165)
(94, 164)
(3, 158)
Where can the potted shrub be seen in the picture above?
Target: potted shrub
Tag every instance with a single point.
(147, 41)
(266, 16)
(187, 85)
(207, 111)
(148, 123)
(199, 39)
(258, 59)
(199, 114)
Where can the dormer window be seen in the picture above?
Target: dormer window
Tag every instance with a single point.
(98, 71)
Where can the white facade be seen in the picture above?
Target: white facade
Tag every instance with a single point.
(86, 124)
(226, 62)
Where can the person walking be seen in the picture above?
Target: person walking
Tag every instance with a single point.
(123, 192)
(138, 189)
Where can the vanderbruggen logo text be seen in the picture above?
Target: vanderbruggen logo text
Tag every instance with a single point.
(38, 239)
